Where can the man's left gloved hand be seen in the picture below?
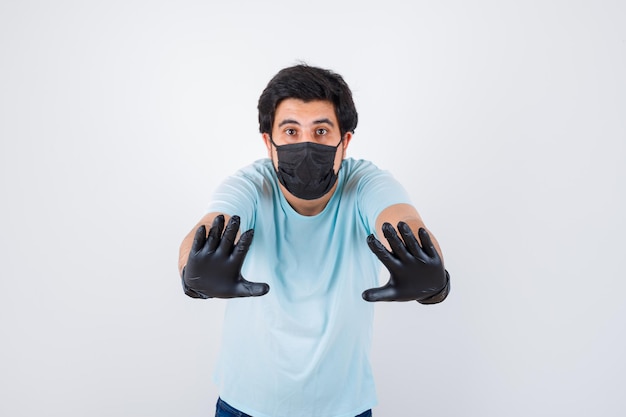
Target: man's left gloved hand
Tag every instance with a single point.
(417, 272)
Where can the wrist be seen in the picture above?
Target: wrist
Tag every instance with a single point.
(439, 296)
(190, 292)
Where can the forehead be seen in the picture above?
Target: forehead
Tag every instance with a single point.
(305, 111)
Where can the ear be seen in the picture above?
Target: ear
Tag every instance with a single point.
(346, 141)
(268, 144)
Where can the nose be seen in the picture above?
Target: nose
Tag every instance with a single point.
(308, 136)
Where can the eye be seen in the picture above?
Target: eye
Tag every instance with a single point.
(321, 131)
(290, 132)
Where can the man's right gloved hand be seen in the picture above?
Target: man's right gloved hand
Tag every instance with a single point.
(214, 265)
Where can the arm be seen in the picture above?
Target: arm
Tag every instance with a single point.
(416, 266)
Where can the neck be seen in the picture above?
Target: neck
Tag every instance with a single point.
(308, 207)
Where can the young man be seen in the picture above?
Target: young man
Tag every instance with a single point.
(296, 341)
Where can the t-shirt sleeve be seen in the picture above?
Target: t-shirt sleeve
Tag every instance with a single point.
(377, 190)
(236, 195)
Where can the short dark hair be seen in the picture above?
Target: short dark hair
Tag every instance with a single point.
(307, 83)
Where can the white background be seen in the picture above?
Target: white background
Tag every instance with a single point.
(505, 120)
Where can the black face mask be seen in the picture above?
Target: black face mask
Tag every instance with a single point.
(306, 169)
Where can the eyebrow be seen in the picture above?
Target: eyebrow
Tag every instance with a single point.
(315, 122)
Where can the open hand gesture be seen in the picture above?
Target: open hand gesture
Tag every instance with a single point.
(214, 265)
(417, 272)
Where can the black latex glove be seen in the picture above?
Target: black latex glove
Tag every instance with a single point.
(417, 272)
(214, 265)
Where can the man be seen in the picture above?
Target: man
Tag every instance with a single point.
(297, 337)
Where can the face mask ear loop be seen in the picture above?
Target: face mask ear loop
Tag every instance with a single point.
(340, 142)
(272, 141)
(343, 154)
(275, 165)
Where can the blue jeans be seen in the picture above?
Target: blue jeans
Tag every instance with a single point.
(223, 409)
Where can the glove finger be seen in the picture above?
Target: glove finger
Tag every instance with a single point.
(384, 293)
(199, 239)
(397, 247)
(246, 288)
(215, 232)
(411, 241)
(242, 246)
(381, 252)
(228, 239)
(427, 243)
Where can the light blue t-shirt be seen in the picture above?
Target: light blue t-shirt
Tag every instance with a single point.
(302, 350)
